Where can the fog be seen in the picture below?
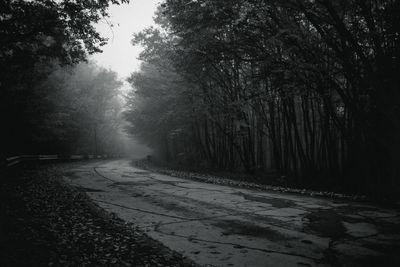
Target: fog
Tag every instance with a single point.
(134, 149)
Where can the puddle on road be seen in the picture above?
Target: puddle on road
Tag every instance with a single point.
(249, 229)
(274, 202)
(175, 208)
(360, 229)
(326, 223)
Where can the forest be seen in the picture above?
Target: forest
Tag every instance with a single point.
(53, 101)
(246, 133)
(308, 89)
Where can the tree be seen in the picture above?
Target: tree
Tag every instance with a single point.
(35, 35)
(158, 109)
(84, 110)
(308, 88)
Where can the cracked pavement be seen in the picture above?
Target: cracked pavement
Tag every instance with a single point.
(218, 225)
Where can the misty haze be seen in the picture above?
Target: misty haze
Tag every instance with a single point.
(200, 133)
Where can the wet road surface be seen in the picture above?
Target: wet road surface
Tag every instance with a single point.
(226, 226)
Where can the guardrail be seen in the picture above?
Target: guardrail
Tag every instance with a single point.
(14, 160)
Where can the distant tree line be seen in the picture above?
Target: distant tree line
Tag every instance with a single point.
(308, 88)
(49, 104)
(81, 113)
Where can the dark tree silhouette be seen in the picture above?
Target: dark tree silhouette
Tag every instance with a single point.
(35, 36)
(307, 88)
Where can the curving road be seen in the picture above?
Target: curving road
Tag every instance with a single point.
(226, 226)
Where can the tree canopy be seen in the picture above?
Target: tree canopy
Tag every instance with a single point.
(35, 37)
(307, 88)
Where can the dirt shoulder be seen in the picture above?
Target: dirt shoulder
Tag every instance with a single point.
(44, 222)
(254, 182)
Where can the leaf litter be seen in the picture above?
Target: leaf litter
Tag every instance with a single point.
(44, 222)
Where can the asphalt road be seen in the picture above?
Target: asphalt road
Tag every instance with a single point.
(226, 226)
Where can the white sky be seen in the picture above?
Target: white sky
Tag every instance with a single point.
(119, 54)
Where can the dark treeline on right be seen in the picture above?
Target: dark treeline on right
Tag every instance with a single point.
(310, 89)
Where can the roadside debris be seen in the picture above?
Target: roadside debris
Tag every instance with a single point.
(44, 222)
(226, 180)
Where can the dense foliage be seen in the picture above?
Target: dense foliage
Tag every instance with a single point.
(35, 37)
(308, 88)
(81, 111)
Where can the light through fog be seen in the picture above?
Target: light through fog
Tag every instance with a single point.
(119, 54)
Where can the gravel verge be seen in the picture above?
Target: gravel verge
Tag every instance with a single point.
(239, 181)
